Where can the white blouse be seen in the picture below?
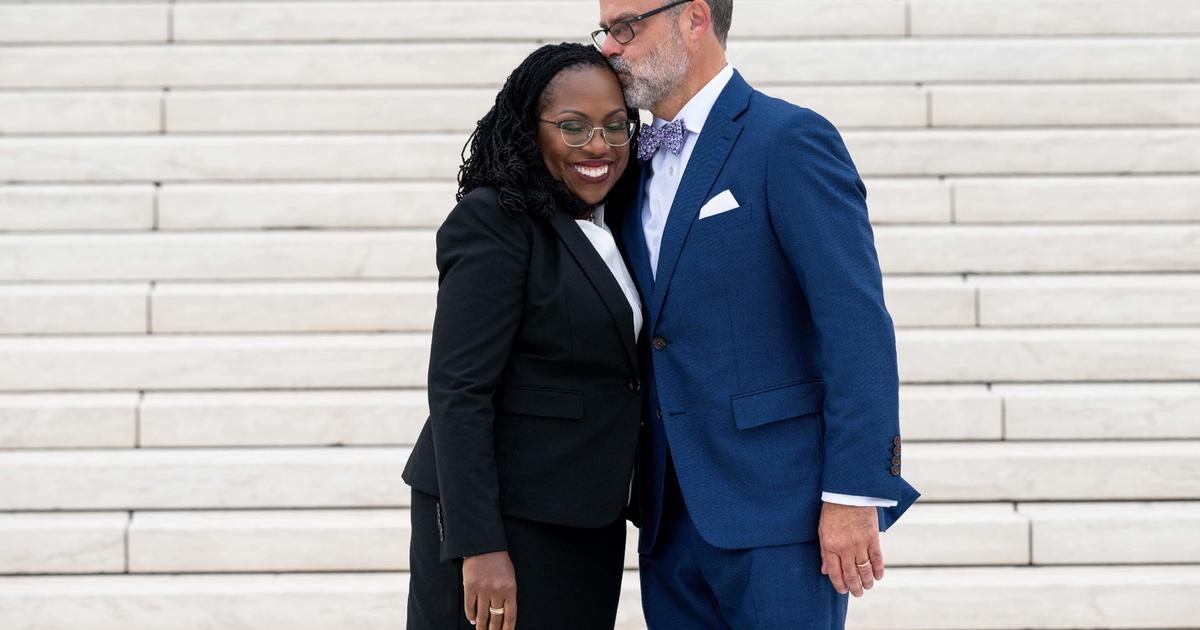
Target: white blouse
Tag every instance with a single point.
(602, 239)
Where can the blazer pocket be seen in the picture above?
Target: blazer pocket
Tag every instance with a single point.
(765, 406)
(541, 401)
(740, 214)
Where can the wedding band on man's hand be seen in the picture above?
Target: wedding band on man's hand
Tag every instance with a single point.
(496, 611)
(863, 565)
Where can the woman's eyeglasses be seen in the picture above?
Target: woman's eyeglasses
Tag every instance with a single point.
(578, 134)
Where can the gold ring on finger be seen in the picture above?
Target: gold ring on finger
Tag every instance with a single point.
(863, 565)
(496, 611)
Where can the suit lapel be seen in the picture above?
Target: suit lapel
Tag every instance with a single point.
(633, 241)
(601, 278)
(712, 148)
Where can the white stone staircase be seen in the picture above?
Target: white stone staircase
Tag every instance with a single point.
(217, 284)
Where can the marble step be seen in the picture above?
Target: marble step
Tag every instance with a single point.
(1088, 300)
(202, 478)
(335, 157)
(929, 413)
(1054, 471)
(425, 204)
(1052, 17)
(1030, 597)
(458, 109)
(69, 420)
(1136, 532)
(1030, 355)
(410, 306)
(28, 23)
(410, 254)
(291, 418)
(221, 541)
(367, 64)
(155, 362)
(1076, 199)
(370, 476)
(263, 205)
(382, 360)
(55, 309)
(76, 208)
(71, 542)
(377, 540)
(366, 601)
(217, 256)
(1101, 412)
(131, 112)
(373, 21)
(907, 599)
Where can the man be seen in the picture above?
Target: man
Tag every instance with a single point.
(771, 455)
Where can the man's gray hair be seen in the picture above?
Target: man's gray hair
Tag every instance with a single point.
(722, 17)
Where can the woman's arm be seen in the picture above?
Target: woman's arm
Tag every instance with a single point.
(482, 259)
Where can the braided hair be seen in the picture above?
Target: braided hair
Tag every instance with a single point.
(503, 150)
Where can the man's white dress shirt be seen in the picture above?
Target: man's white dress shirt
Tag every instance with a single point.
(660, 193)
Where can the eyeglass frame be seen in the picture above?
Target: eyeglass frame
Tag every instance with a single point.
(629, 124)
(630, 22)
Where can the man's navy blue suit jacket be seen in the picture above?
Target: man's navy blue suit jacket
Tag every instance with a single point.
(773, 358)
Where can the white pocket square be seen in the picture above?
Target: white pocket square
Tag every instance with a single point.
(723, 202)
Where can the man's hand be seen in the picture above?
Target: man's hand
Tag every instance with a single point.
(850, 553)
(490, 582)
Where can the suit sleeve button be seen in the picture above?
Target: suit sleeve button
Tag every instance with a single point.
(896, 441)
(895, 471)
(896, 461)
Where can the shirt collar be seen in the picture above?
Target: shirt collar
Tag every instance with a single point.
(697, 109)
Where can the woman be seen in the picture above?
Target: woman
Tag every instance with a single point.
(522, 473)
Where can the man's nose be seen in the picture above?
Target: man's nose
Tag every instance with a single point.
(611, 47)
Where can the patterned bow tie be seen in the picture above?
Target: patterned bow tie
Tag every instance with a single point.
(669, 136)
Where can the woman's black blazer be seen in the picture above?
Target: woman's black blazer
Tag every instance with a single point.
(535, 395)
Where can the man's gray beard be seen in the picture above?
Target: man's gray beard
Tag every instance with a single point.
(661, 74)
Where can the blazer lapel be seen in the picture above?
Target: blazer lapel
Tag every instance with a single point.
(601, 278)
(712, 148)
(633, 241)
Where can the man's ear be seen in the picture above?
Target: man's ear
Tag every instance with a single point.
(699, 16)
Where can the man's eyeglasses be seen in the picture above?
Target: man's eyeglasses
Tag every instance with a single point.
(577, 134)
(622, 31)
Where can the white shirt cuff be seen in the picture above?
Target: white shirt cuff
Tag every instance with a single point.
(850, 499)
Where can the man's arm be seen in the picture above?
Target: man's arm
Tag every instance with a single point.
(817, 204)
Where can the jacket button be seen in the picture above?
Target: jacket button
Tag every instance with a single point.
(659, 343)
(896, 440)
(635, 385)
(658, 413)
(896, 460)
(895, 471)
(895, 450)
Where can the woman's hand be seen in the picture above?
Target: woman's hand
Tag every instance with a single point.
(490, 582)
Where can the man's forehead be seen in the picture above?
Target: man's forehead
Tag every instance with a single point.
(615, 10)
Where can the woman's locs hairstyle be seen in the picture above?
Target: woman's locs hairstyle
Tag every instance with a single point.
(503, 153)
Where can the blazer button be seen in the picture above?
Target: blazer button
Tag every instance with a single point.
(896, 460)
(895, 450)
(658, 413)
(895, 471)
(659, 343)
(635, 385)
(896, 440)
